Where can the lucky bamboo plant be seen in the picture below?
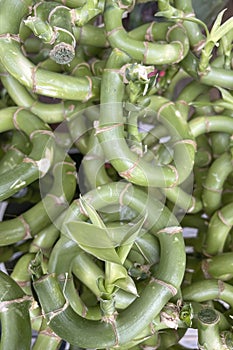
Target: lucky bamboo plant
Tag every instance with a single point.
(120, 141)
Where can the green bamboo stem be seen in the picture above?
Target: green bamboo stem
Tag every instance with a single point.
(128, 164)
(12, 23)
(169, 338)
(80, 127)
(194, 31)
(32, 45)
(20, 146)
(105, 196)
(89, 10)
(52, 205)
(210, 78)
(36, 317)
(178, 78)
(153, 31)
(46, 238)
(36, 79)
(220, 225)
(153, 340)
(60, 263)
(203, 155)
(14, 308)
(147, 305)
(46, 339)
(39, 81)
(49, 113)
(219, 267)
(199, 176)
(49, 65)
(156, 133)
(41, 58)
(97, 67)
(191, 91)
(94, 163)
(38, 162)
(201, 125)
(184, 200)
(202, 291)
(148, 246)
(72, 3)
(208, 330)
(52, 24)
(90, 35)
(21, 274)
(66, 258)
(78, 67)
(63, 261)
(203, 106)
(146, 52)
(220, 142)
(214, 182)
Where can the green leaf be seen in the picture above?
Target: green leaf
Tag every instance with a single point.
(117, 275)
(186, 314)
(89, 234)
(226, 95)
(91, 212)
(149, 248)
(134, 231)
(123, 251)
(101, 242)
(217, 22)
(93, 240)
(126, 234)
(127, 284)
(218, 31)
(104, 254)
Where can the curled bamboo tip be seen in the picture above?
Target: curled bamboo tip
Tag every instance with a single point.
(62, 53)
(208, 316)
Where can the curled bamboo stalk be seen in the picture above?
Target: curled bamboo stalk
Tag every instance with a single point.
(117, 325)
(215, 179)
(14, 308)
(38, 162)
(53, 204)
(146, 52)
(27, 73)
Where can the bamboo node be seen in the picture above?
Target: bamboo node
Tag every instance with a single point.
(4, 305)
(111, 319)
(221, 288)
(149, 33)
(89, 95)
(55, 313)
(223, 219)
(175, 171)
(170, 287)
(99, 130)
(204, 267)
(121, 196)
(188, 142)
(146, 45)
(34, 69)
(26, 228)
(171, 230)
(16, 124)
(42, 132)
(113, 31)
(165, 105)
(127, 174)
